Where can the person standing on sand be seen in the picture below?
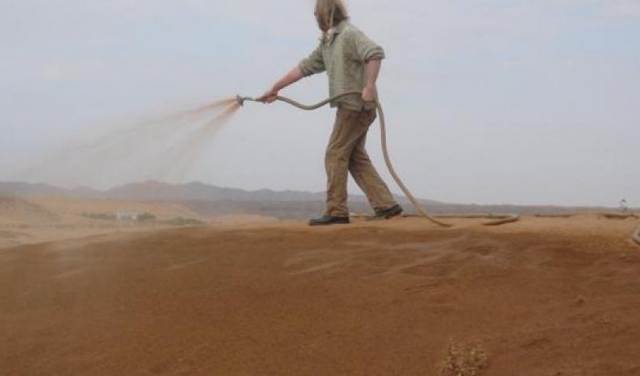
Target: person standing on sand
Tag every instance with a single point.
(352, 62)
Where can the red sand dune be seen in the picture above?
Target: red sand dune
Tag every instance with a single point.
(542, 297)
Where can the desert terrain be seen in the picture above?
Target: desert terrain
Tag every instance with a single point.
(82, 294)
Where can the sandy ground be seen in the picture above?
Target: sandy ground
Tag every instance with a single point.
(541, 297)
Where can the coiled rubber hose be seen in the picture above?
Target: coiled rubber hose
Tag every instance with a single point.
(385, 152)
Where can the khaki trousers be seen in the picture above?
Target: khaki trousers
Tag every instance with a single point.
(346, 154)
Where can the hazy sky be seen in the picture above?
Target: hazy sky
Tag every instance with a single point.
(487, 101)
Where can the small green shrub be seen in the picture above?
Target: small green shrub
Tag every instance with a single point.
(464, 361)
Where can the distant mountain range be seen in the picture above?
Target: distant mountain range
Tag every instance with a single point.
(157, 191)
(210, 199)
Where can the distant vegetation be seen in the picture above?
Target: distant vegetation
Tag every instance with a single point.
(145, 218)
(100, 216)
(181, 222)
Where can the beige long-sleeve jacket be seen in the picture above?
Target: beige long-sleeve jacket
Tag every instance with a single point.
(343, 53)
